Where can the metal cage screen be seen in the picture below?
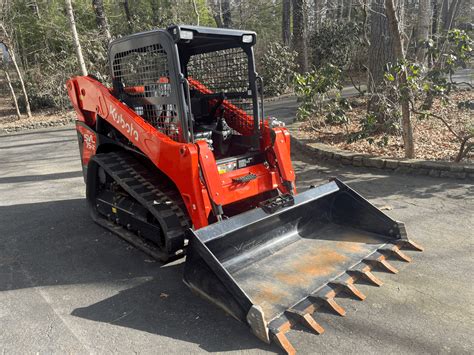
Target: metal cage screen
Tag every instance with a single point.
(225, 71)
(144, 74)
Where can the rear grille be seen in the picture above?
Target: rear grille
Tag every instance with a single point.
(144, 76)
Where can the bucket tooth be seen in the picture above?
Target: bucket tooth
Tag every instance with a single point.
(381, 263)
(397, 253)
(367, 275)
(410, 245)
(329, 302)
(282, 341)
(350, 288)
(305, 319)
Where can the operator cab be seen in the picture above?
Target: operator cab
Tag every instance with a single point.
(192, 83)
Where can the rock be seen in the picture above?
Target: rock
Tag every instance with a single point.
(404, 170)
(456, 168)
(391, 163)
(374, 162)
(452, 175)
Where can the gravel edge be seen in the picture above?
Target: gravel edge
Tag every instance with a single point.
(37, 125)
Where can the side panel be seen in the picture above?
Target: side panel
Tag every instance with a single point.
(179, 161)
(87, 140)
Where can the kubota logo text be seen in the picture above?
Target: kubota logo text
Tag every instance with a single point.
(124, 124)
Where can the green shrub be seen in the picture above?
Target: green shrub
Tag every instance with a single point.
(313, 88)
(334, 43)
(277, 68)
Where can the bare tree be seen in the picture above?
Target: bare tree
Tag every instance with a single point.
(196, 11)
(75, 37)
(215, 6)
(423, 28)
(340, 9)
(226, 13)
(299, 33)
(381, 46)
(435, 19)
(15, 101)
(128, 15)
(396, 34)
(285, 22)
(449, 11)
(101, 18)
(6, 40)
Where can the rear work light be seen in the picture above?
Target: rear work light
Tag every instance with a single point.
(186, 35)
(247, 39)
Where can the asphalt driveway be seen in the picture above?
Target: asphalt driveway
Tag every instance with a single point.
(67, 285)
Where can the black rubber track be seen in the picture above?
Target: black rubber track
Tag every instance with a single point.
(153, 191)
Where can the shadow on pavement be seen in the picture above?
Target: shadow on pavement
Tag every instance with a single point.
(41, 177)
(56, 243)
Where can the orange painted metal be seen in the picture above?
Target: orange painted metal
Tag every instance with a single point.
(184, 162)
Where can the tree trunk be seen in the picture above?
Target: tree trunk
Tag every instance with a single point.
(196, 12)
(453, 13)
(215, 6)
(444, 13)
(15, 101)
(449, 12)
(434, 28)
(155, 9)
(320, 8)
(381, 46)
(7, 43)
(285, 22)
(349, 11)
(101, 18)
(299, 34)
(128, 15)
(423, 28)
(392, 19)
(226, 13)
(340, 9)
(75, 37)
(434, 24)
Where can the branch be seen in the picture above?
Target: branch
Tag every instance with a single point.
(359, 90)
(463, 152)
(438, 117)
(196, 11)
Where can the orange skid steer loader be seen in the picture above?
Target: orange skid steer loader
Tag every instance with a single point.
(179, 159)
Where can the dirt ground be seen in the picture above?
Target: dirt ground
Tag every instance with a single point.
(9, 122)
(433, 139)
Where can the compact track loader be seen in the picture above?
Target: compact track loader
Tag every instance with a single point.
(178, 158)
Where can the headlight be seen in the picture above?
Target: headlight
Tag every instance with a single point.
(187, 35)
(247, 39)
